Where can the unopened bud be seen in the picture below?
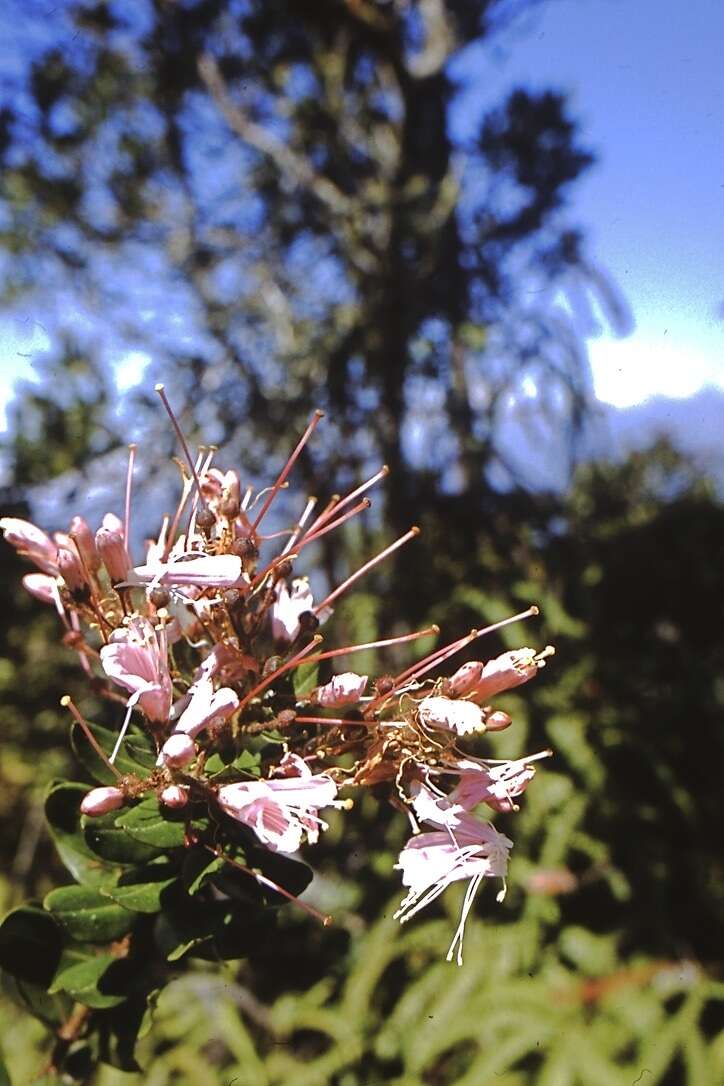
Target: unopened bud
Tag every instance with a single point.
(111, 546)
(465, 678)
(100, 801)
(246, 549)
(159, 596)
(84, 540)
(178, 750)
(230, 503)
(461, 717)
(498, 721)
(174, 796)
(40, 585)
(308, 621)
(71, 571)
(341, 690)
(205, 520)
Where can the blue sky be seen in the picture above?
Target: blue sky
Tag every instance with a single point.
(646, 84)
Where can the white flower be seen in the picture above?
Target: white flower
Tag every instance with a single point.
(461, 717)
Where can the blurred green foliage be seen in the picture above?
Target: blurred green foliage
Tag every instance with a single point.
(603, 961)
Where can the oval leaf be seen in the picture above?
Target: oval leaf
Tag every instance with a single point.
(81, 978)
(87, 915)
(148, 824)
(141, 890)
(114, 843)
(62, 812)
(136, 757)
(30, 945)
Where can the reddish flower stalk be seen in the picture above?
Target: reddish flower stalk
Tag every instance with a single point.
(297, 659)
(67, 702)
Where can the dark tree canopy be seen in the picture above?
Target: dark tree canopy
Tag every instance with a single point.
(270, 200)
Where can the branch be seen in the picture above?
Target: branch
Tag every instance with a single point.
(289, 163)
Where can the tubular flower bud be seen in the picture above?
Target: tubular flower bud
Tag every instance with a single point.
(85, 541)
(100, 801)
(174, 796)
(178, 750)
(32, 542)
(71, 570)
(341, 690)
(465, 678)
(497, 721)
(461, 717)
(111, 546)
(42, 586)
(509, 670)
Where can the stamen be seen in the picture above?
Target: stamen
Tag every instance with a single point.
(382, 644)
(296, 659)
(300, 524)
(329, 720)
(67, 702)
(164, 400)
(129, 485)
(414, 531)
(313, 536)
(246, 499)
(316, 417)
(336, 505)
(130, 706)
(428, 662)
(323, 918)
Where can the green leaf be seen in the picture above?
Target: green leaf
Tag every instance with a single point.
(147, 823)
(88, 916)
(198, 866)
(141, 890)
(136, 757)
(62, 812)
(80, 975)
(51, 1010)
(248, 762)
(114, 843)
(304, 680)
(30, 945)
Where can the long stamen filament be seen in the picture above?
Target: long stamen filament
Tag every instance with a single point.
(300, 524)
(316, 417)
(323, 918)
(414, 531)
(335, 506)
(129, 487)
(313, 536)
(182, 440)
(67, 702)
(430, 631)
(296, 659)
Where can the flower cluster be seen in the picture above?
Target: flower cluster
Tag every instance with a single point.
(203, 640)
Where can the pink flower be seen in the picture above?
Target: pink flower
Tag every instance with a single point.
(491, 783)
(461, 717)
(288, 606)
(32, 542)
(463, 848)
(509, 670)
(178, 750)
(205, 707)
(100, 801)
(341, 690)
(283, 809)
(203, 571)
(135, 658)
